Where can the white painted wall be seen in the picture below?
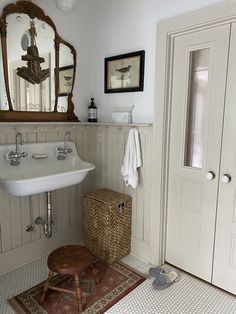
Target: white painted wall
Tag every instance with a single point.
(125, 26)
(102, 28)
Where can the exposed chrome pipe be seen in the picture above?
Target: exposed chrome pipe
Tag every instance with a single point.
(49, 214)
(47, 225)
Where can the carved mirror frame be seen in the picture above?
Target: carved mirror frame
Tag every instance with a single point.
(33, 11)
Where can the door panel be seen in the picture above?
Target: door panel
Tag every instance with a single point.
(198, 89)
(224, 267)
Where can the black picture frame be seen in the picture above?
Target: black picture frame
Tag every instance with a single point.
(63, 89)
(130, 73)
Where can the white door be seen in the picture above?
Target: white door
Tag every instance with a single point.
(198, 90)
(224, 266)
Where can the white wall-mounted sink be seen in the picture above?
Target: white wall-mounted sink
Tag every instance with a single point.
(43, 174)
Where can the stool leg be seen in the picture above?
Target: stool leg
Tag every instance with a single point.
(95, 275)
(78, 293)
(46, 285)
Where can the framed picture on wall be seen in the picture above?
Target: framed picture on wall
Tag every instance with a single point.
(124, 73)
(66, 75)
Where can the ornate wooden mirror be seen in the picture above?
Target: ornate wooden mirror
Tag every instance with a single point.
(37, 71)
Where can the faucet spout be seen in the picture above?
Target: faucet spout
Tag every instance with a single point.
(63, 151)
(15, 157)
(66, 139)
(18, 142)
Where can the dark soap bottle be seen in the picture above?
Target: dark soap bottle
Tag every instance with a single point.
(92, 112)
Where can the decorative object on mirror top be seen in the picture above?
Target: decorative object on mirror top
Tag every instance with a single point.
(37, 65)
(33, 73)
(66, 5)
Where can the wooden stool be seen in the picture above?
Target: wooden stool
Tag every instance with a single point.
(70, 260)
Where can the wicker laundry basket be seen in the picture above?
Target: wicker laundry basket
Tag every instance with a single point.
(107, 224)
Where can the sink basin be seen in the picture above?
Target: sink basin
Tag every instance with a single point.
(41, 171)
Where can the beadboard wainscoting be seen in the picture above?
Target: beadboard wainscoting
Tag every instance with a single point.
(101, 144)
(104, 145)
(18, 246)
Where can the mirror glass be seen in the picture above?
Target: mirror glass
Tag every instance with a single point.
(37, 67)
(27, 96)
(66, 76)
(3, 95)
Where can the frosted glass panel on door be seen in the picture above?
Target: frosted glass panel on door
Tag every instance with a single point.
(197, 108)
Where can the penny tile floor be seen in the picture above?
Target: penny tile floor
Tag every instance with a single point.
(187, 296)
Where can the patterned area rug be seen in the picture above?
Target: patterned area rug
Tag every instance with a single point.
(117, 282)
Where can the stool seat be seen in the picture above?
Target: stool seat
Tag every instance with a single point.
(70, 260)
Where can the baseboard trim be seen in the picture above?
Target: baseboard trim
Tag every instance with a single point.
(141, 249)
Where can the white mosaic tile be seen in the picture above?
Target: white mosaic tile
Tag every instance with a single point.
(187, 296)
(19, 280)
(135, 262)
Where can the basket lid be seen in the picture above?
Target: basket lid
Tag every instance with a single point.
(108, 196)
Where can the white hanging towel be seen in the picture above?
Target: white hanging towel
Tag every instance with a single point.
(132, 159)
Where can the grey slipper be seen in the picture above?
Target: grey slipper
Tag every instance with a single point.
(155, 271)
(164, 280)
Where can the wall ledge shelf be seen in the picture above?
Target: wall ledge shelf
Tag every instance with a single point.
(78, 124)
(117, 124)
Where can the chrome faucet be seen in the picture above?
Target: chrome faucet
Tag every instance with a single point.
(62, 152)
(18, 141)
(66, 139)
(15, 157)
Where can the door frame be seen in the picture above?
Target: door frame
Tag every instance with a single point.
(167, 31)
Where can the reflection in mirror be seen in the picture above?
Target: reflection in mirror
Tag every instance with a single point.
(3, 95)
(31, 50)
(39, 94)
(66, 76)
